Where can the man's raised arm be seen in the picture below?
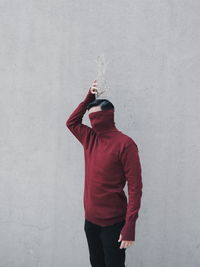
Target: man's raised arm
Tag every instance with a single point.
(74, 122)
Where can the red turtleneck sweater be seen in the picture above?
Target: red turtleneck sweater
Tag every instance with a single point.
(111, 159)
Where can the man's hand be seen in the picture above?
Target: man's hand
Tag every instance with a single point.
(94, 89)
(124, 243)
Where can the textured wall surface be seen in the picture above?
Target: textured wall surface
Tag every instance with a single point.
(47, 53)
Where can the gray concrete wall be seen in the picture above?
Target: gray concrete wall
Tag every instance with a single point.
(47, 53)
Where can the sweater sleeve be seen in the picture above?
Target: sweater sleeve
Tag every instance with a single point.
(133, 174)
(74, 122)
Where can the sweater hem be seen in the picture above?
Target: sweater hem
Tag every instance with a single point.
(105, 222)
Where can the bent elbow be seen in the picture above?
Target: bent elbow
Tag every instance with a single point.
(68, 124)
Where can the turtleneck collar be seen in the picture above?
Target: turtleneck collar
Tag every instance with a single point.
(103, 121)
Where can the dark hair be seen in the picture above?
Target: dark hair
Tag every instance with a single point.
(103, 103)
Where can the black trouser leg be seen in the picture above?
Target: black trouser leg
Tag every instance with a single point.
(96, 253)
(104, 246)
(114, 256)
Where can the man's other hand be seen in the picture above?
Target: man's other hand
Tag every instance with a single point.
(125, 243)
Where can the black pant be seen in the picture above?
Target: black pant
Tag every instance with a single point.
(103, 245)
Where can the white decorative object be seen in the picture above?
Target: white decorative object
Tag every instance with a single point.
(102, 86)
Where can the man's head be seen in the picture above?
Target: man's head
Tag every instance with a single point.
(99, 104)
(101, 115)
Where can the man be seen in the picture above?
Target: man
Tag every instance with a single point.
(111, 160)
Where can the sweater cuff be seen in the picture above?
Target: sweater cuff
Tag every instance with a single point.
(89, 97)
(128, 232)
